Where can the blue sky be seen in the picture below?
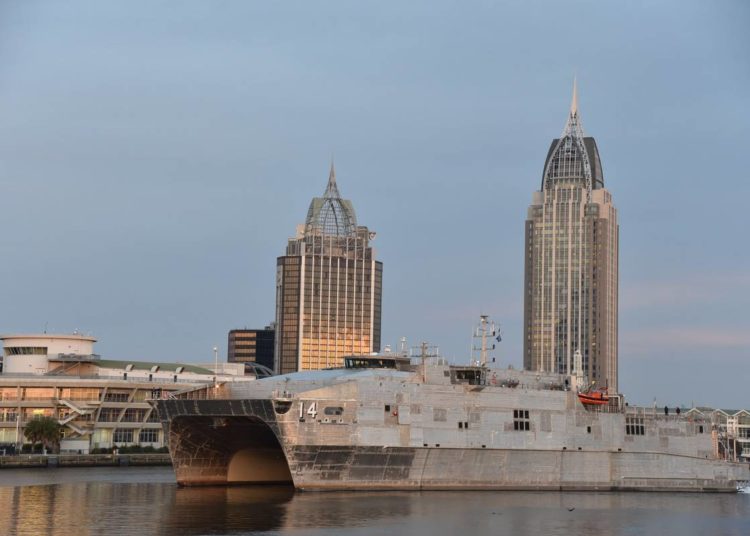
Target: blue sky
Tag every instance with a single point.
(156, 155)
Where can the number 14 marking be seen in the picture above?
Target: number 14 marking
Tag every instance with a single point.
(312, 410)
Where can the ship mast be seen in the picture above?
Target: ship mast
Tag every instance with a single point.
(425, 351)
(485, 328)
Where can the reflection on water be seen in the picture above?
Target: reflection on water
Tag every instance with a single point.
(147, 501)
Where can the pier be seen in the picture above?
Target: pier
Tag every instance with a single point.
(83, 460)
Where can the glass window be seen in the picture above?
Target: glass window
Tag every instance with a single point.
(149, 436)
(122, 435)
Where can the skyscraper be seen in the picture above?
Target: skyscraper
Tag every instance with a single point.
(571, 257)
(328, 288)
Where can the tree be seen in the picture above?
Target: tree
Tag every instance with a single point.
(44, 430)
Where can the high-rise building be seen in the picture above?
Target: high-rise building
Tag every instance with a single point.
(251, 346)
(328, 288)
(570, 293)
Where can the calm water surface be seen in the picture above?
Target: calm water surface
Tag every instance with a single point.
(147, 501)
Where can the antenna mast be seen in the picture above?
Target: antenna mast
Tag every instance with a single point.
(425, 351)
(480, 346)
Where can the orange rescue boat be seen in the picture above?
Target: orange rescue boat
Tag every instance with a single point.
(597, 397)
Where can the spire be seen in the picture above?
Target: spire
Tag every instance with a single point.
(331, 215)
(332, 189)
(573, 126)
(574, 102)
(569, 158)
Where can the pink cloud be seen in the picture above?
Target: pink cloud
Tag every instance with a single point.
(645, 341)
(691, 290)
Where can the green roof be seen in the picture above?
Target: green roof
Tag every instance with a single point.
(146, 365)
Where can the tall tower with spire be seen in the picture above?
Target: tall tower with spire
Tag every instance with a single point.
(328, 288)
(571, 262)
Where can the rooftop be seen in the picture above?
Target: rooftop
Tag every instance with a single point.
(331, 215)
(64, 336)
(573, 157)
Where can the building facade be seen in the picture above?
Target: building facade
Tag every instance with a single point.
(731, 429)
(328, 288)
(99, 403)
(251, 346)
(571, 264)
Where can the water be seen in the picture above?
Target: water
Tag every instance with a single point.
(95, 501)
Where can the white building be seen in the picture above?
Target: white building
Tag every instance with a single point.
(100, 403)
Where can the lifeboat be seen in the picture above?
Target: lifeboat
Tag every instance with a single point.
(598, 397)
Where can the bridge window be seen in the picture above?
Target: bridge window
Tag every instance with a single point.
(634, 426)
(521, 421)
(333, 410)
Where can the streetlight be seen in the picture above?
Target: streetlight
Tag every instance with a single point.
(216, 366)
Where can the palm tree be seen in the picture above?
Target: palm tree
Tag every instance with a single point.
(44, 430)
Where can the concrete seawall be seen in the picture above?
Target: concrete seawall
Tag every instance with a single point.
(83, 460)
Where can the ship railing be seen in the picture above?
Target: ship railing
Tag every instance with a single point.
(604, 408)
(658, 413)
(203, 392)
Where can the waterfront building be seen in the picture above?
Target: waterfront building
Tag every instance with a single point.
(251, 346)
(328, 288)
(732, 427)
(571, 264)
(100, 403)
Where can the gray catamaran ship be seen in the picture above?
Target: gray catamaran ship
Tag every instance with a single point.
(391, 422)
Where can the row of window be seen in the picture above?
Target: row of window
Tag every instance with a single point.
(635, 426)
(25, 350)
(71, 393)
(130, 415)
(124, 435)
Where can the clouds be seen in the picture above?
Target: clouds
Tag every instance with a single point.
(693, 290)
(703, 340)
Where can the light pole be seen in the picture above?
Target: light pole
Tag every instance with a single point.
(18, 433)
(216, 366)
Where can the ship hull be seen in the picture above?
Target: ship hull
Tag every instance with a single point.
(368, 468)
(224, 442)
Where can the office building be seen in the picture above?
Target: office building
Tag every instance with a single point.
(251, 346)
(571, 264)
(328, 288)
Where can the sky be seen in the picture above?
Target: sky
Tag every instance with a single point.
(156, 155)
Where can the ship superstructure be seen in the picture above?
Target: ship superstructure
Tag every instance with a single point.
(383, 422)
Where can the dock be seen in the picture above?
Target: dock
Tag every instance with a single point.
(83, 460)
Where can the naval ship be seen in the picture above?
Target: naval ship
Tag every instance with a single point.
(391, 422)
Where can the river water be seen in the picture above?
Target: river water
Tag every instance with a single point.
(94, 501)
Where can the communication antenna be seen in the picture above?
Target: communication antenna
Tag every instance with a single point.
(424, 351)
(480, 345)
